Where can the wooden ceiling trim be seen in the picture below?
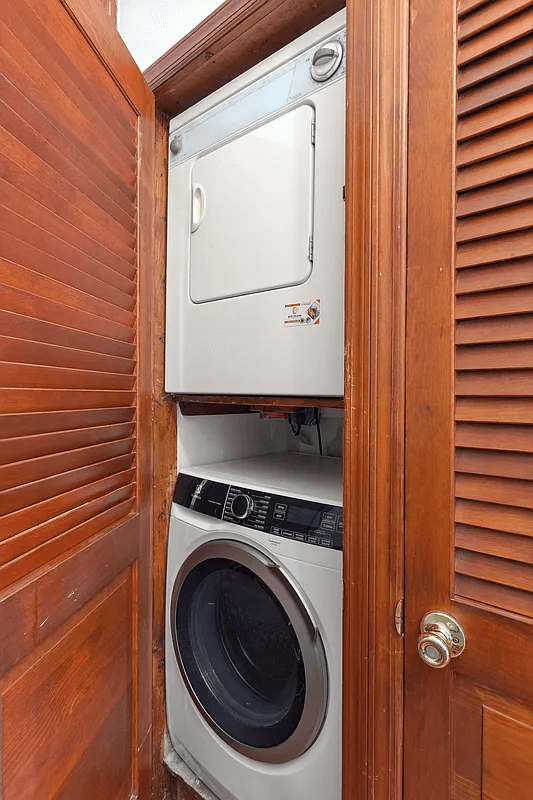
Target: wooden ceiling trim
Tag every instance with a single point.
(235, 37)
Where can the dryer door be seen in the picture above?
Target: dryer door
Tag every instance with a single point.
(249, 651)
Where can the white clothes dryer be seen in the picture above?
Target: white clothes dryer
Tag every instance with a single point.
(255, 264)
(253, 628)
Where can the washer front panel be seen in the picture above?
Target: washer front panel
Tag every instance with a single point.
(319, 524)
(249, 651)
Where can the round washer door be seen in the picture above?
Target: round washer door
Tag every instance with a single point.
(249, 651)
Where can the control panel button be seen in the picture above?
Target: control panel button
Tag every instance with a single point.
(281, 507)
(300, 537)
(312, 539)
(279, 515)
(329, 517)
(339, 524)
(327, 526)
(276, 531)
(289, 534)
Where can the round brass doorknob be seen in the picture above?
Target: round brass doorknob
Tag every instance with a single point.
(441, 639)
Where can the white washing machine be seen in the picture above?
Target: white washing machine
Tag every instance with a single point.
(253, 629)
(255, 258)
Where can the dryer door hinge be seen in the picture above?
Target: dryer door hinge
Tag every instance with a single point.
(398, 617)
(313, 132)
(311, 248)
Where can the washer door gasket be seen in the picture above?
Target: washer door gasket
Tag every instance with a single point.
(249, 651)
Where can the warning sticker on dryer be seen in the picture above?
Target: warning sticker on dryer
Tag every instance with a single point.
(302, 314)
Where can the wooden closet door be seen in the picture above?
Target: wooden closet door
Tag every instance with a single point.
(76, 150)
(469, 443)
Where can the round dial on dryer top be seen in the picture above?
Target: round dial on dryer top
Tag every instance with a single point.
(327, 60)
(242, 506)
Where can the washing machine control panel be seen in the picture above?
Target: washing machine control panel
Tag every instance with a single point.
(318, 524)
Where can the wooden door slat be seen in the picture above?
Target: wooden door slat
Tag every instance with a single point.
(100, 283)
(44, 79)
(496, 143)
(495, 276)
(38, 490)
(31, 185)
(36, 163)
(497, 248)
(499, 88)
(497, 195)
(490, 15)
(21, 327)
(25, 447)
(494, 570)
(30, 139)
(466, 6)
(31, 516)
(47, 220)
(26, 280)
(494, 409)
(482, 436)
(104, 94)
(495, 356)
(13, 425)
(496, 303)
(35, 375)
(53, 547)
(500, 463)
(42, 240)
(20, 472)
(501, 383)
(495, 117)
(500, 597)
(34, 118)
(516, 328)
(495, 543)
(34, 400)
(494, 223)
(29, 352)
(490, 515)
(493, 489)
(495, 63)
(514, 28)
(30, 305)
(495, 169)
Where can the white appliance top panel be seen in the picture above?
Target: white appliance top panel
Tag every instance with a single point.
(282, 80)
(315, 478)
(252, 209)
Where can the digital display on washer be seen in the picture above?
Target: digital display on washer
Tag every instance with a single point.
(319, 524)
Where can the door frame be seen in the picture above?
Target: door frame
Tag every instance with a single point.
(376, 190)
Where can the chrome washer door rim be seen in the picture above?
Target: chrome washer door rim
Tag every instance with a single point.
(290, 597)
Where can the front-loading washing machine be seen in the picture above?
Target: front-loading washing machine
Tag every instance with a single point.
(253, 628)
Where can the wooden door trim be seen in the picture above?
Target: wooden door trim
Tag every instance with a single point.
(374, 396)
(231, 40)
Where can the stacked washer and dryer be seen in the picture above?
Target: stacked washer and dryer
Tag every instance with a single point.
(255, 307)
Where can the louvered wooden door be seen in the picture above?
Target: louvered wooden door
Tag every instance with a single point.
(469, 443)
(76, 142)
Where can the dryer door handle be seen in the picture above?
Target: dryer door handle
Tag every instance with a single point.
(198, 207)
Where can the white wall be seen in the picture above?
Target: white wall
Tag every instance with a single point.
(151, 27)
(224, 437)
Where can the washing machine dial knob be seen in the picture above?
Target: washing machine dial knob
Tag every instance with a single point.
(242, 506)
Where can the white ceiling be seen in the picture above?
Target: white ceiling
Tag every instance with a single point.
(151, 27)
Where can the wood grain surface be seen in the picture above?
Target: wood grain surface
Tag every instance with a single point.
(235, 37)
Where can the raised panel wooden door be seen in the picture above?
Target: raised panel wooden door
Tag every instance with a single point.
(76, 151)
(469, 443)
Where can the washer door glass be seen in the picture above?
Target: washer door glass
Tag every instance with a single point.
(240, 654)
